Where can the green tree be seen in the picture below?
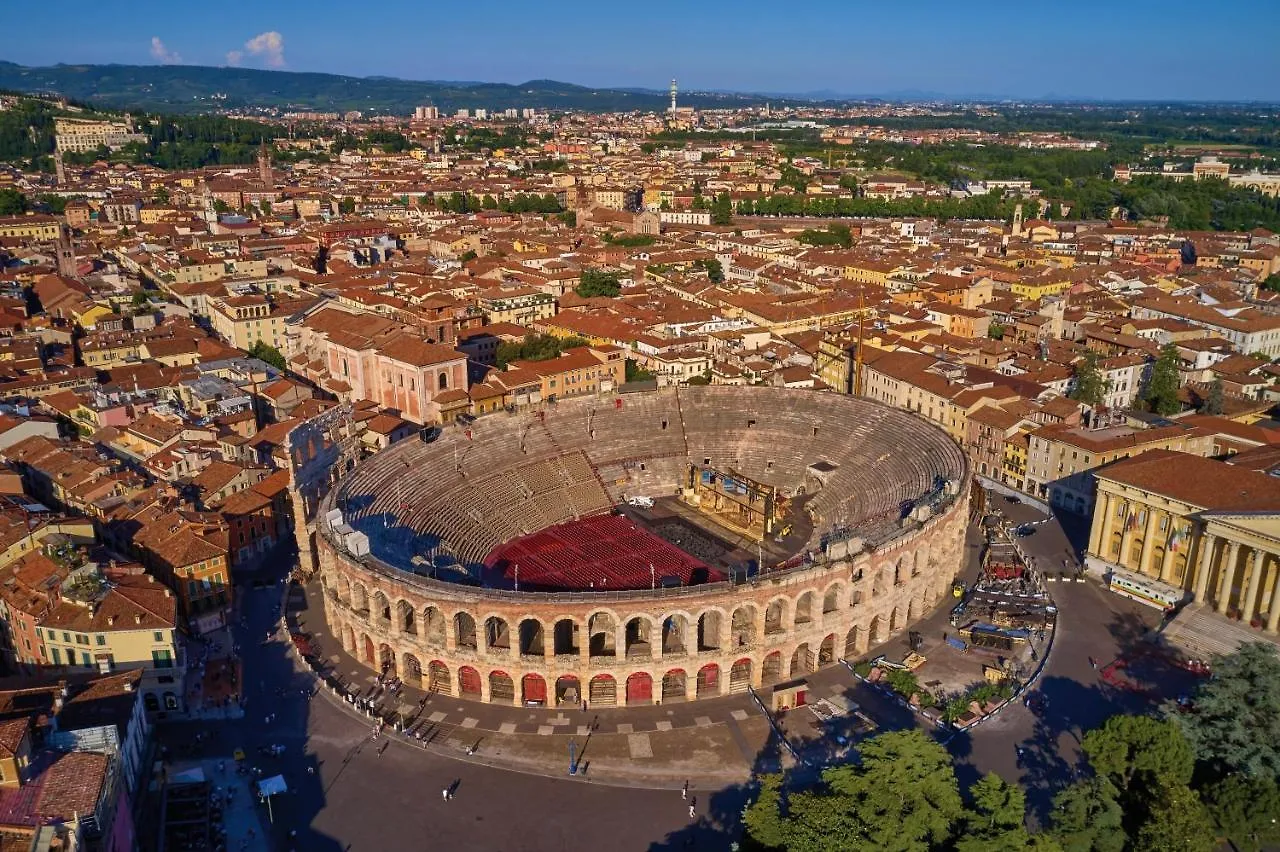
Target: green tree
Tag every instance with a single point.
(1091, 387)
(722, 210)
(763, 818)
(1087, 817)
(1177, 820)
(635, 373)
(996, 821)
(597, 282)
(1136, 752)
(1161, 395)
(995, 331)
(1245, 811)
(141, 299)
(714, 269)
(264, 351)
(161, 195)
(1215, 401)
(903, 796)
(1271, 283)
(1233, 723)
(467, 256)
(346, 205)
(220, 206)
(488, 202)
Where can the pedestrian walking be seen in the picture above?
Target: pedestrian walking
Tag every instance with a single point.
(693, 809)
(444, 794)
(684, 791)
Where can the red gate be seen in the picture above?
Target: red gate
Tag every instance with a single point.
(469, 681)
(639, 689)
(533, 689)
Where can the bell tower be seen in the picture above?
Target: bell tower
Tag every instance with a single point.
(264, 166)
(1017, 220)
(66, 251)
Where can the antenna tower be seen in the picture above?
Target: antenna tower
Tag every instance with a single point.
(673, 96)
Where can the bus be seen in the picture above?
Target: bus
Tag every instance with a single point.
(1147, 590)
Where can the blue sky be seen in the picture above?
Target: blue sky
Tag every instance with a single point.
(1117, 49)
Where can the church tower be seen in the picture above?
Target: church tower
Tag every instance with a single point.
(59, 170)
(264, 166)
(66, 251)
(1017, 220)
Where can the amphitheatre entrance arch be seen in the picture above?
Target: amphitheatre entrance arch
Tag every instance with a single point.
(533, 689)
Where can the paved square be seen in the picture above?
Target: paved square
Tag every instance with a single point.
(702, 721)
(664, 725)
(546, 730)
(438, 716)
(469, 722)
(625, 727)
(639, 745)
(507, 728)
(740, 715)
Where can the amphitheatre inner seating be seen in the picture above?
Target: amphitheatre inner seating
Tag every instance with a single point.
(511, 475)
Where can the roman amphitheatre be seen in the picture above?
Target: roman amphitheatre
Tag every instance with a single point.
(640, 548)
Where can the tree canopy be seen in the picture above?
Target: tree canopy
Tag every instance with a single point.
(598, 282)
(536, 347)
(1091, 386)
(264, 351)
(1161, 394)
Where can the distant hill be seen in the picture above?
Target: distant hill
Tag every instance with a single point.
(194, 88)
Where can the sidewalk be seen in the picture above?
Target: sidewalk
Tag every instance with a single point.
(232, 794)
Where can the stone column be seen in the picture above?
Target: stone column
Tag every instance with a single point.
(1126, 535)
(1273, 611)
(1251, 589)
(1228, 576)
(1099, 532)
(1207, 543)
(1166, 564)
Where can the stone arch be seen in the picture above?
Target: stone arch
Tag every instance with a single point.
(855, 597)
(564, 637)
(433, 626)
(743, 626)
(342, 588)
(855, 642)
(831, 598)
(710, 630)
(827, 650)
(568, 690)
(802, 661)
(533, 639)
(464, 628)
(913, 611)
(533, 689)
(602, 632)
(674, 686)
(367, 647)
(922, 559)
(804, 610)
(639, 689)
(405, 622)
(675, 630)
(771, 672)
(411, 670)
(359, 597)
(348, 639)
(882, 580)
(895, 620)
(877, 630)
(638, 637)
(502, 689)
(708, 681)
(902, 568)
(381, 609)
(439, 679)
(469, 684)
(775, 617)
(497, 634)
(602, 691)
(740, 675)
(387, 660)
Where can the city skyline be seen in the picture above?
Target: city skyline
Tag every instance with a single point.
(826, 50)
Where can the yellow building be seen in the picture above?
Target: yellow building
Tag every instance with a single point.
(1205, 527)
(29, 227)
(244, 320)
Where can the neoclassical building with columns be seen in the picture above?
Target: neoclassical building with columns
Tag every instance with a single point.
(1207, 527)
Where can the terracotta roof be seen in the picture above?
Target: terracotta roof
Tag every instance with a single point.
(1198, 481)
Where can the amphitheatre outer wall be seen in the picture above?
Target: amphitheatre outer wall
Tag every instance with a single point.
(622, 648)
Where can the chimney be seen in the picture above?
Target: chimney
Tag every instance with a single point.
(111, 620)
(137, 618)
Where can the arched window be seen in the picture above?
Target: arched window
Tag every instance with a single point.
(444, 381)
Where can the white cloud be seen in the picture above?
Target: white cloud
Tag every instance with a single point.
(162, 54)
(268, 47)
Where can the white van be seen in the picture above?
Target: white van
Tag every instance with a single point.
(640, 502)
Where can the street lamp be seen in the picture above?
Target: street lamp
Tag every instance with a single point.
(653, 577)
(573, 760)
(517, 576)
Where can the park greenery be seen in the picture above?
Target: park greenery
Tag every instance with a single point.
(536, 347)
(264, 351)
(989, 206)
(598, 282)
(833, 235)
(630, 240)
(1161, 393)
(1191, 777)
